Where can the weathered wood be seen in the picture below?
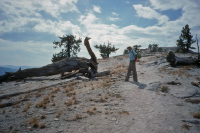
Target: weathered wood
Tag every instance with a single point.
(78, 72)
(176, 61)
(91, 53)
(65, 65)
(104, 73)
(198, 47)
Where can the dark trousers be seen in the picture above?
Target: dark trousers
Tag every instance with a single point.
(132, 67)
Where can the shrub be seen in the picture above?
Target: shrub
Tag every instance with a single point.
(197, 115)
(186, 126)
(165, 89)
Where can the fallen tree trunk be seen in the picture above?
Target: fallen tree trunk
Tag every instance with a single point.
(176, 61)
(77, 73)
(65, 65)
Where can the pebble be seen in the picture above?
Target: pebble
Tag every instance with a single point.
(56, 119)
(179, 104)
(53, 112)
(113, 119)
(60, 130)
(99, 111)
(108, 104)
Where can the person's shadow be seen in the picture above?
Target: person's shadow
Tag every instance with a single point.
(140, 85)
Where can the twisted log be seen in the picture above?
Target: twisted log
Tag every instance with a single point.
(82, 65)
(91, 53)
(176, 61)
(65, 65)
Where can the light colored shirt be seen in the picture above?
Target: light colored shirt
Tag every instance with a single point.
(132, 54)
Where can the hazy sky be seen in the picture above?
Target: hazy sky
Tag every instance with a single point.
(28, 27)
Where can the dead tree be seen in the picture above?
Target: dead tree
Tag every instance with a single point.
(176, 61)
(86, 66)
(91, 53)
(198, 47)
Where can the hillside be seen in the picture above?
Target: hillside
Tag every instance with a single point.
(164, 100)
(11, 68)
(5, 69)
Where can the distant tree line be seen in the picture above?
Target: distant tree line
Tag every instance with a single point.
(154, 48)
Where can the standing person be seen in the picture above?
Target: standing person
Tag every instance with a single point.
(132, 66)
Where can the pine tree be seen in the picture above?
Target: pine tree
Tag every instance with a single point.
(106, 50)
(137, 48)
(185, 39)
(71, 47)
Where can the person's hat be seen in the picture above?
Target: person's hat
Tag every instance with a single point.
(129, 47)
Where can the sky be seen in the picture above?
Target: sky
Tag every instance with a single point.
(28, 28)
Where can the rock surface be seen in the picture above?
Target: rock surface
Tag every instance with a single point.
(107, 104)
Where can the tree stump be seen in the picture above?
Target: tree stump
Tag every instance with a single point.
(176, 61)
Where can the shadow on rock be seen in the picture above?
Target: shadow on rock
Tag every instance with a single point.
(140, 85)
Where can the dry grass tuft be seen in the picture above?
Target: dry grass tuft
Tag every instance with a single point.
(46, 99)
(71, 89)
(54, 91)
(53, 104)
(102, 99)
(105, 84)
(38, 94)
(42, 116)
(186, 126)
(165, 89)
(53, 95)
(92, 87)
(59, 114)
(34, 121)
(90, 112)
(42, 125)
(106, 113)
(4, 111)
(94, 108)
(85, 85)
(180, 72)
(74, 98)
(118, 96)
(124, 113)
(78, 116)
(198, 78)
(43, 103)
(106, 96)
(69, 103)
(27, 107)
(197, 115)
(71, 93)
